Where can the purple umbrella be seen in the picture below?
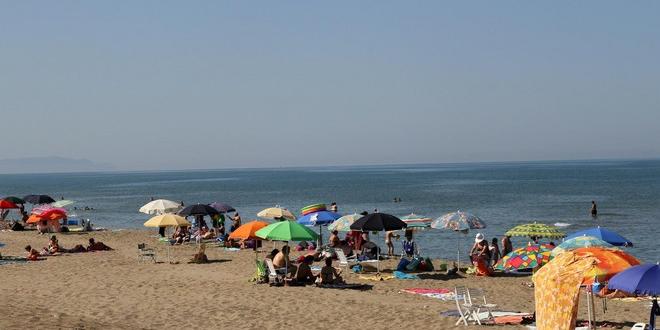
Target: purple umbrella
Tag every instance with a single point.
(641, 280)
(222, 207)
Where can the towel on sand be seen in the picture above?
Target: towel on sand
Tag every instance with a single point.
(442, 294)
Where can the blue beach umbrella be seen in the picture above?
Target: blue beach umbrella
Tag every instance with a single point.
(641, 280)
(320, 218)
(603, 234)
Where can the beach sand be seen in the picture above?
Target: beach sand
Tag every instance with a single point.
(110, 290)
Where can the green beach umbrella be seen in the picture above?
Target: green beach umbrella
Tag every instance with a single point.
(14, 200)
(63, 203)
(286, 231)
(536, 229)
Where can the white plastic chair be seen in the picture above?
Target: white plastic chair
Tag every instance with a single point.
(463, 305)
(478, 301)
(145, 253)
(273, 275)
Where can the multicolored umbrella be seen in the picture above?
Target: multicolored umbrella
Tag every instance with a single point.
(160, 206)
(286, 231)
(536, 229)
(416, 221)
(458, 221)
(45, 209)
(248, 230)
(531, 256)
(609, 262)
(580, 242)
(344, 223)
(276, 213)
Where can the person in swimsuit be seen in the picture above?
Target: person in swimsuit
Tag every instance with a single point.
(304, 273)
(507, 247)
(594, 209)
(494, 251)
(389, 235)
(329, 274)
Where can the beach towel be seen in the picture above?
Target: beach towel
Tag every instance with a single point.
(404, 276)
(376, 277)
(441, 294)
(230, 249)
(346, 286)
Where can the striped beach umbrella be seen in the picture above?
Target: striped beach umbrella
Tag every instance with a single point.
(536, 230)
(580, 242)
(344, 223)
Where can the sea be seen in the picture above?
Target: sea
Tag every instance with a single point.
(503, 195)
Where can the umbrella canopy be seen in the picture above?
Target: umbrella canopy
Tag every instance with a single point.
(320, 218)
(286, 231)
(276, 213)
(416, 221)
(198, 209)
(604, 234)
(378, 222)
(160, 206)
(536, 229)
(344, 223)
(580, 242)
(5, 204)
(531, 256)
(222, 207)
(609, 262)
(14, 200)
(38, 199)
(640, 280)
(167, 220)
(51, 217)
(248, 230)
(63, 203)
(458, 221)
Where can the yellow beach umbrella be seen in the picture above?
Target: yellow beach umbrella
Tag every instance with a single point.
(276, 213)
(167, 220)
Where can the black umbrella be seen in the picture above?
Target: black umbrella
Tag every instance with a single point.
(222, 207)
(198, 209)
(378, 222)
(14, 200)
(38, 199)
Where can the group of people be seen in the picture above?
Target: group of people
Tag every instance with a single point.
(301, 271)
(54, 248)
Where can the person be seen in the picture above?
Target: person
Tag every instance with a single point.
(369, 250)
(356, 239)
(33, 254)
(389, 236)
(333, 207)
(594, 209)
(281, 260)
(507, 247)
(53, 245)
(329, 274)
(494, 251)
(210, 234)
(334, 239)
(97, 246)
(477, 238)
(272, 254)
(235, 222)
(409, 246)
(161, 231)
(304, 273)
(480, 249)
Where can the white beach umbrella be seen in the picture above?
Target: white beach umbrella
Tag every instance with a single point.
(160, 206)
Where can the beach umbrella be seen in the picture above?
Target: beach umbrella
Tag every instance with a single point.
(643, 280)
(539, 230)
(319, 218)
(286, 231)
(198, 209)
(378, 222)
(579, 242)
(222, 207)
(609, 263)
(63, 203)
(160, 206)
(248, 230)
(603, 234)
(527, 257)
(461, 222)
(14, 200)
(276, 213)
(167, 220)
(417, 221)
(38, 199)
(5, 204)
(458, 221)
(344, 223)
(34, 218)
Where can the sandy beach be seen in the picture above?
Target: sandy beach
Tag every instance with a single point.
(110, 290)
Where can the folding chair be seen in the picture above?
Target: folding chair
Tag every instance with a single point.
(463, 305)
(145, 253)
(273, 275)
(478, 302)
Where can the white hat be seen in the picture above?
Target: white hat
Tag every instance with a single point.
(479, 238)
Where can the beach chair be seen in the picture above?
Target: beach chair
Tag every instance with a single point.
(146, 253)
(347, 262)
(478, 301)
(463, 305)
(273, 275)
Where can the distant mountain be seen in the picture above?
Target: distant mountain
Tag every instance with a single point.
(50, 165)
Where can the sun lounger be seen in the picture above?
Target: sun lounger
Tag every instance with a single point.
(470, 303)
(478, 300)
(275, 275)
(347, 262)
(145, 253)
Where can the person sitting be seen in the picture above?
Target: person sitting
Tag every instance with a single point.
(304, 274)
(97, 246)
(272, 254)
(281, 260)
(409, 246)
(53, 245)
(329, 274)
(210, 234)
(334, 239)
(200, 257)
(33, 255)
(369, 251)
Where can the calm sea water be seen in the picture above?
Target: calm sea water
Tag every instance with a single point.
(502, 194)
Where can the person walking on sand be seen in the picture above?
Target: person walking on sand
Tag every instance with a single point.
(594, 210)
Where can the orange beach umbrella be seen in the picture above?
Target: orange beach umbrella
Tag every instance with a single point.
(247, 230)
(609, 262)
(51, 217)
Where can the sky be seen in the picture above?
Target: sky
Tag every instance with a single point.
(154, 85)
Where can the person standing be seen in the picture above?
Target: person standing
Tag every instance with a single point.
(333, 207)
(494, 251)
(236, 222)
(506, 245)
(389, 236)
(594, 209)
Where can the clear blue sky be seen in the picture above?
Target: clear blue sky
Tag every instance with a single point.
(211, 84)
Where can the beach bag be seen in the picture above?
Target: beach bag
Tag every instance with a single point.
(429, 264)
(412, 266)
(402, 264)
(422, 266)
(357, 269)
